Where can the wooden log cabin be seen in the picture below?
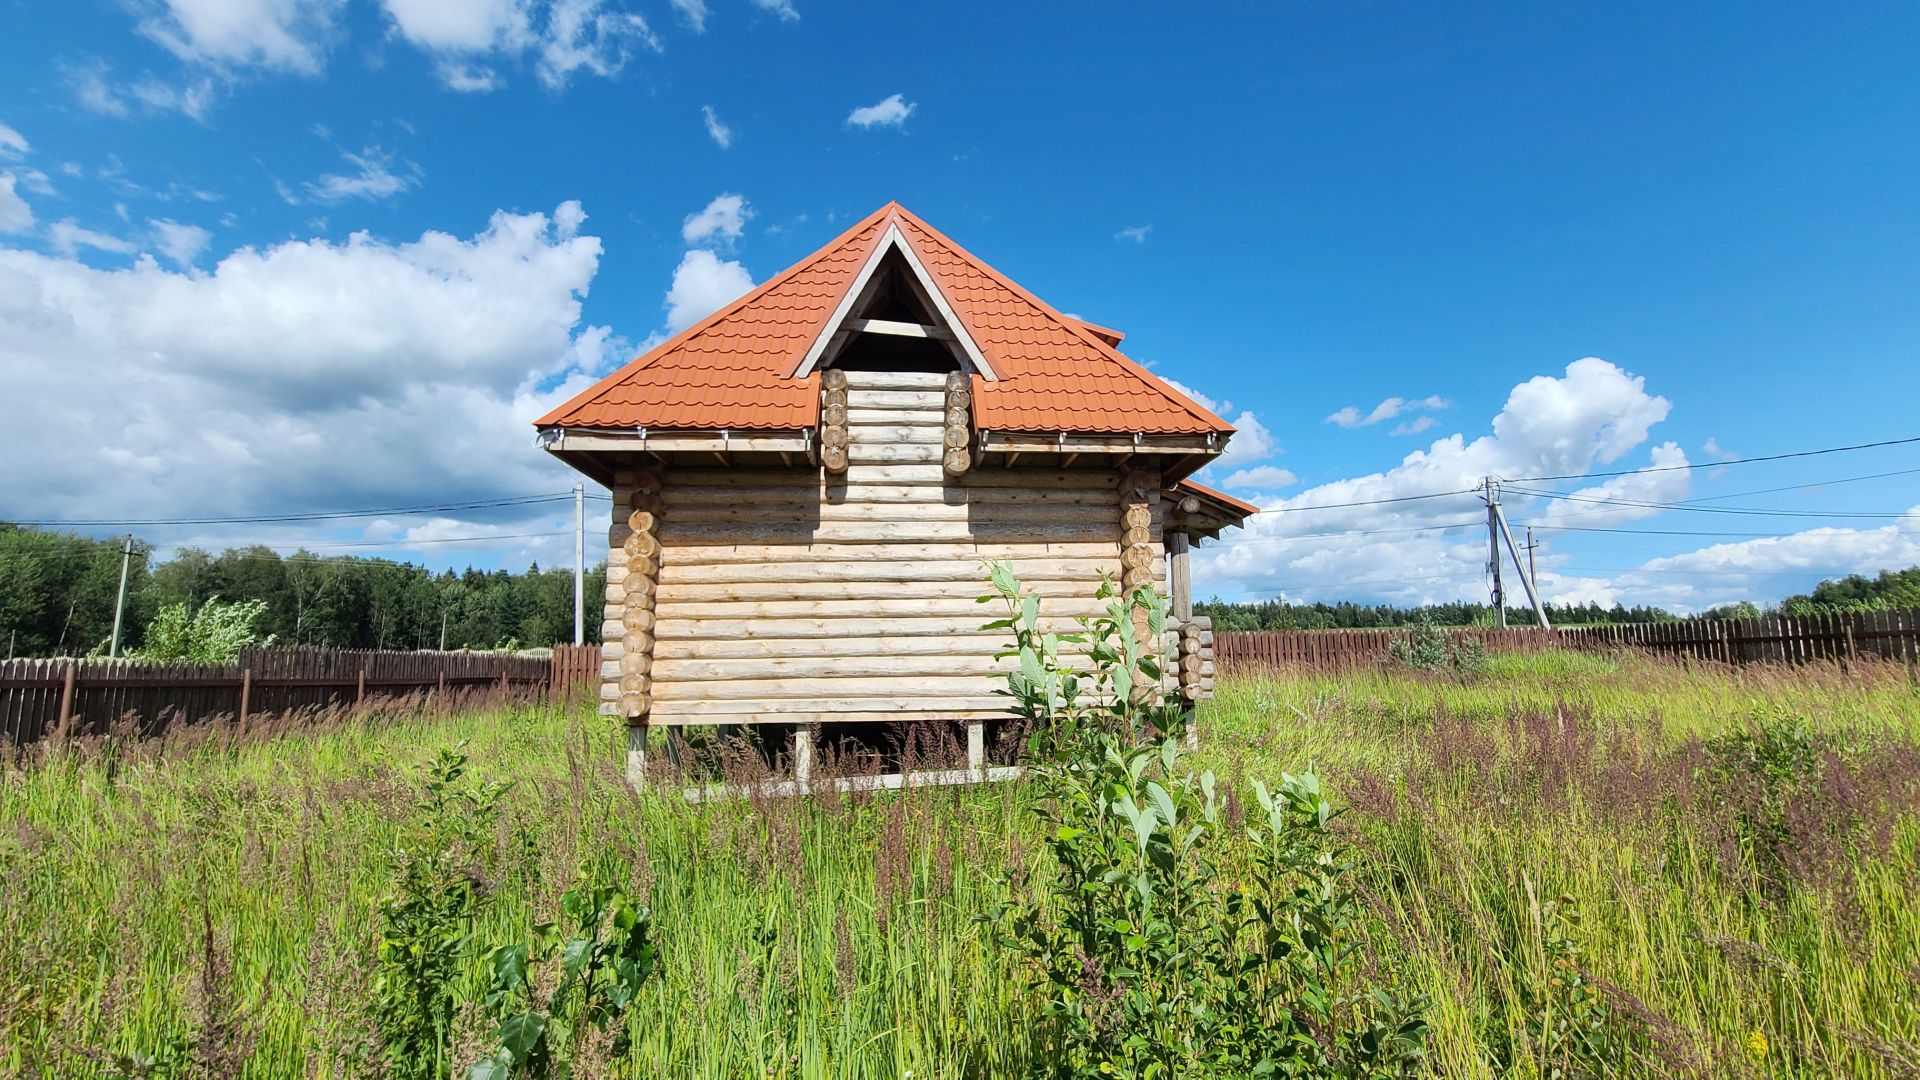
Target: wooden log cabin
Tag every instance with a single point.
(805, 484)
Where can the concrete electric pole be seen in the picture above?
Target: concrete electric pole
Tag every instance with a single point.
(579, 564)
(120, 601)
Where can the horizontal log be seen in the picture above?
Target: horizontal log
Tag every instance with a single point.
(754, 587)
(671, 607)
(891, 453)
(1088, 571)
(1083, 516)
(898, 400)
(962, 551)
(882, 688)
(826, 650)
(913, 417)
(808, 491)
(866, 435)
(896, 380)
(707, 629)
(886, 532)
(862, 667)
(929, 706)
(673, 718)
(681, 478)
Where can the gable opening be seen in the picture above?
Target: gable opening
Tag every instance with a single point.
(893, 318)
(893, 326)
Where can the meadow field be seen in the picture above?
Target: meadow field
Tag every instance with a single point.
(1588, 864)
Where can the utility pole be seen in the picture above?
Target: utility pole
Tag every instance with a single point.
(1533, 574)
(120, 601)
(1526, 579)
(579, 564)
(443, 629)
(1492, 495)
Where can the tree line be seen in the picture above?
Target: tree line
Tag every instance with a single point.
(57, 595)
(1889, 590)
(1285, 615)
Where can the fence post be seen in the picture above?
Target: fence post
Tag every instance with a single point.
(360, 688)
(66, 697)
(246, 693)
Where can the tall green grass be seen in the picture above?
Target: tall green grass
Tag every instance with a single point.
(221, 894)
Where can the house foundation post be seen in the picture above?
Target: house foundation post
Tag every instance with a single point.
(803, 757)
(637, 755)
(977, 751)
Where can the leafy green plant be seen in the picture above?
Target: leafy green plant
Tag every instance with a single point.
(213, 635)
(1760, 775)
(1161, 944)
(427, 915)
(605, 956)
(1568, 1025)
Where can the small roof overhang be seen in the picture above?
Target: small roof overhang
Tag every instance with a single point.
(1203, 513)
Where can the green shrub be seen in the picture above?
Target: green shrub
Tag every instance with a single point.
(605, 959)
(1162, 943)
(213, 635)
(1427, 647)
(428, 913)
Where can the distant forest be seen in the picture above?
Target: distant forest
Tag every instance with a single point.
(1890, 589)
(57, 594)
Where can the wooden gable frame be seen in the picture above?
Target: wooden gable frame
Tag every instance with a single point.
(841, 326)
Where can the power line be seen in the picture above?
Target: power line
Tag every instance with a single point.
(1766, 491)
(1717, 464)
(1664, 532)
(378, 543)
(330, 515)
(1688, 508)
(1368, 502)
(1239, 540)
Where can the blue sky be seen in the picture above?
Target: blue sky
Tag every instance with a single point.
(276, 256)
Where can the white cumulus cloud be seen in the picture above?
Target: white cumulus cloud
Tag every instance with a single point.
(287, 35)
(1260, 478)
(703, 283)
(890, 111)
(308, 375)
(561, 37)
(719, 223)
(181, 244)
(12, 143)
(15, 215)
(1414, 532)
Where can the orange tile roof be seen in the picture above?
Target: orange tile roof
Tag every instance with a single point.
(1190, 487)
(733, 369)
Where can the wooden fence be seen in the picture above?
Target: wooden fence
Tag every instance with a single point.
(1890, 635)
(96, 695)
(576, 672)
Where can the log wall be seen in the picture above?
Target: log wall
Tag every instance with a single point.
(802, 596)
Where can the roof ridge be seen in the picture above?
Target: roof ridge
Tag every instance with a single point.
(1071, 325)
